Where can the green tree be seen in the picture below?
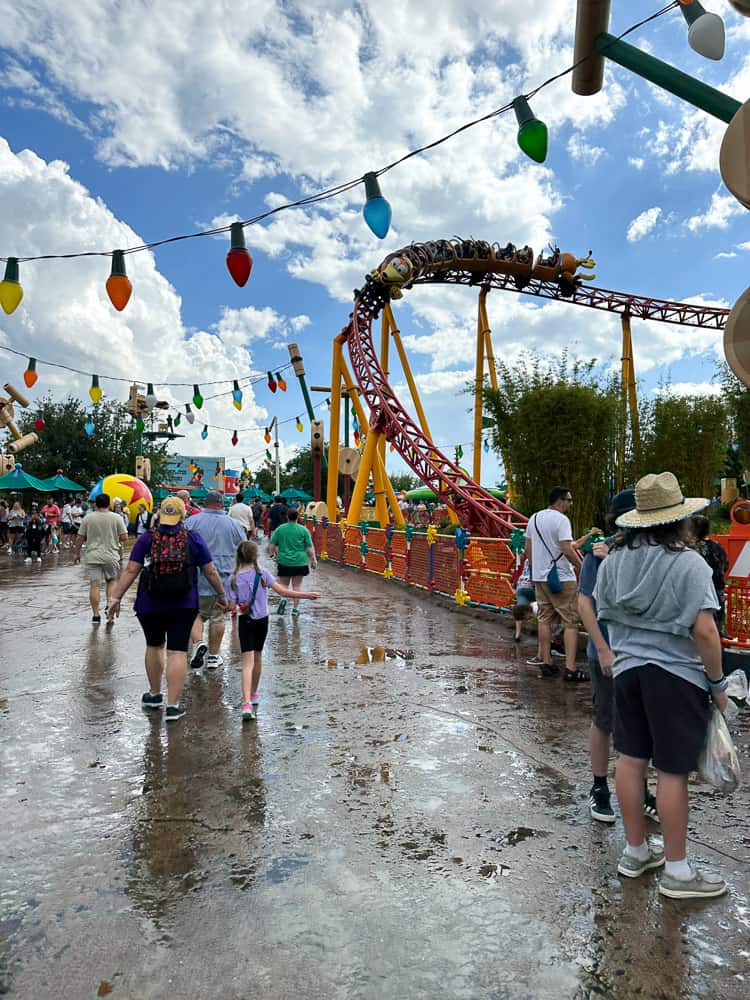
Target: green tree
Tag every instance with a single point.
(555, 424)
(64, 443)
(404, 481)
(687, 435)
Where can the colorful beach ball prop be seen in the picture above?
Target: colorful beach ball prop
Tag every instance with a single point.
(129, 489)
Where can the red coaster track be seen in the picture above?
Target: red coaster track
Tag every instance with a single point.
(448, 262)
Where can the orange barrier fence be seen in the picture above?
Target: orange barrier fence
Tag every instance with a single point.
(472, 571)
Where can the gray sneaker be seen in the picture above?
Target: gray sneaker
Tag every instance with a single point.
(631, 867)
(535, 661)
(701, 886)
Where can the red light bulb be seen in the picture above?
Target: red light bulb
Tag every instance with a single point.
(271, 382)
(235, 439)
(239, 261)
(39, 424)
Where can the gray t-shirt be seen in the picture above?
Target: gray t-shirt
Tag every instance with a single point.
(666, 590)
(101, 530)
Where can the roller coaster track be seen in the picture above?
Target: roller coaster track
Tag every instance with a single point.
(477, 510)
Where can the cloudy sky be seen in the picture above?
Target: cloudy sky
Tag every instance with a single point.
(131, 123)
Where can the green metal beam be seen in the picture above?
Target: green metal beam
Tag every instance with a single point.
(667, 77)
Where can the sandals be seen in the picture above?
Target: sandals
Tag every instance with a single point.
(549, 669)
(575, 676)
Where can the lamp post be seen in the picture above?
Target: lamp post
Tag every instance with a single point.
(274, 426)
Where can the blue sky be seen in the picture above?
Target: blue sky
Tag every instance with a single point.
(124, 124)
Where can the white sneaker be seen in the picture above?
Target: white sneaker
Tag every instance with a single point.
(38, 558)
(214, 661)
(27, 559)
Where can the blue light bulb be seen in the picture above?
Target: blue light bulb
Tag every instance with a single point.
(377, 211)
(89, 428)
(204, 433)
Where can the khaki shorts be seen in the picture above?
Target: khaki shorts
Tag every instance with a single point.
(102, 572)
(562, 606)
(209, 610)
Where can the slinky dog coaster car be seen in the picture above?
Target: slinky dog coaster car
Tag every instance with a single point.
(7, 415)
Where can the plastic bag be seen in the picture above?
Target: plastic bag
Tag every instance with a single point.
(718, 764)
(737, 692)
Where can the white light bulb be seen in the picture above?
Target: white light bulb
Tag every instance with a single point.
(706, 36)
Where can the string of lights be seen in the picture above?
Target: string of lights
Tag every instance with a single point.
(532, 138)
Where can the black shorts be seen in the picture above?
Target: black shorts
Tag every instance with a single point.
(660, 717)
(252, 633)
(172, 627)
(292, 571)
(602, 697)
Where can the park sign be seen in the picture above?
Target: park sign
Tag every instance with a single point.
(191, 471)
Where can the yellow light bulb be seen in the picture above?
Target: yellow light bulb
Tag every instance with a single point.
(11, 292)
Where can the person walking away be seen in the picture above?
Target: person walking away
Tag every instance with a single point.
(3, 523)
(601, 658)
(187, 499)
(657, 598)
(292, 546)
(549, 543)
(167, 557)
(716, 558)
(247, 590)
(257, 508)
(36, 533)
(242, 512)
(222, 534)
(103, 532)
(277, 513)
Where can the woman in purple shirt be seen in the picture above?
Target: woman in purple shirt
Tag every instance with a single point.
(167, 600)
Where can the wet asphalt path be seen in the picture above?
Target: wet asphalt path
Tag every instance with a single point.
(408, 818)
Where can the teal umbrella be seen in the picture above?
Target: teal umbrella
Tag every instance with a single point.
(61, 483)
(256, 493)
(20, 480)
(292, 493)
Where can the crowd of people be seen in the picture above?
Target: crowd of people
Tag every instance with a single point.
(650, 599)
(193, 566)
(43, 529)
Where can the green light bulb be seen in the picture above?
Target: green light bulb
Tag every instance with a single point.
(532, 133)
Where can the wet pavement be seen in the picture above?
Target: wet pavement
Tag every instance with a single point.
(408, 818)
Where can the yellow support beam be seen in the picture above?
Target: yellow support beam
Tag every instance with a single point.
(333, 436)
(479, 385)
(396, 334)
(363, 476)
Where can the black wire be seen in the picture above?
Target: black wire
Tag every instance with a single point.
(247, 381)
(338, 189)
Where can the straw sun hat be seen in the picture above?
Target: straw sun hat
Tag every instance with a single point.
(659, 500)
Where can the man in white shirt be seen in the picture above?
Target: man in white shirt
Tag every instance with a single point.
(549, 542)
(242, 512)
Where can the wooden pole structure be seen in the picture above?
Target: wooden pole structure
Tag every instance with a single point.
(482, 326)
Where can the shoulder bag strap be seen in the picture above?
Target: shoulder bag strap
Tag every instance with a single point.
(255, 587)
(553, 558)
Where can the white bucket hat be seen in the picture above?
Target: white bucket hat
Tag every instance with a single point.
(659, 500)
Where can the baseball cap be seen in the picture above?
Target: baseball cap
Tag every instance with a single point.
(214, 497)
(622, 503)
(171, 511)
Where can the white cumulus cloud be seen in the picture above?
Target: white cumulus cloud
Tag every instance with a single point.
(643, 224)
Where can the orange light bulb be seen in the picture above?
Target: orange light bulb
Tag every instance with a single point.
(118, 285)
